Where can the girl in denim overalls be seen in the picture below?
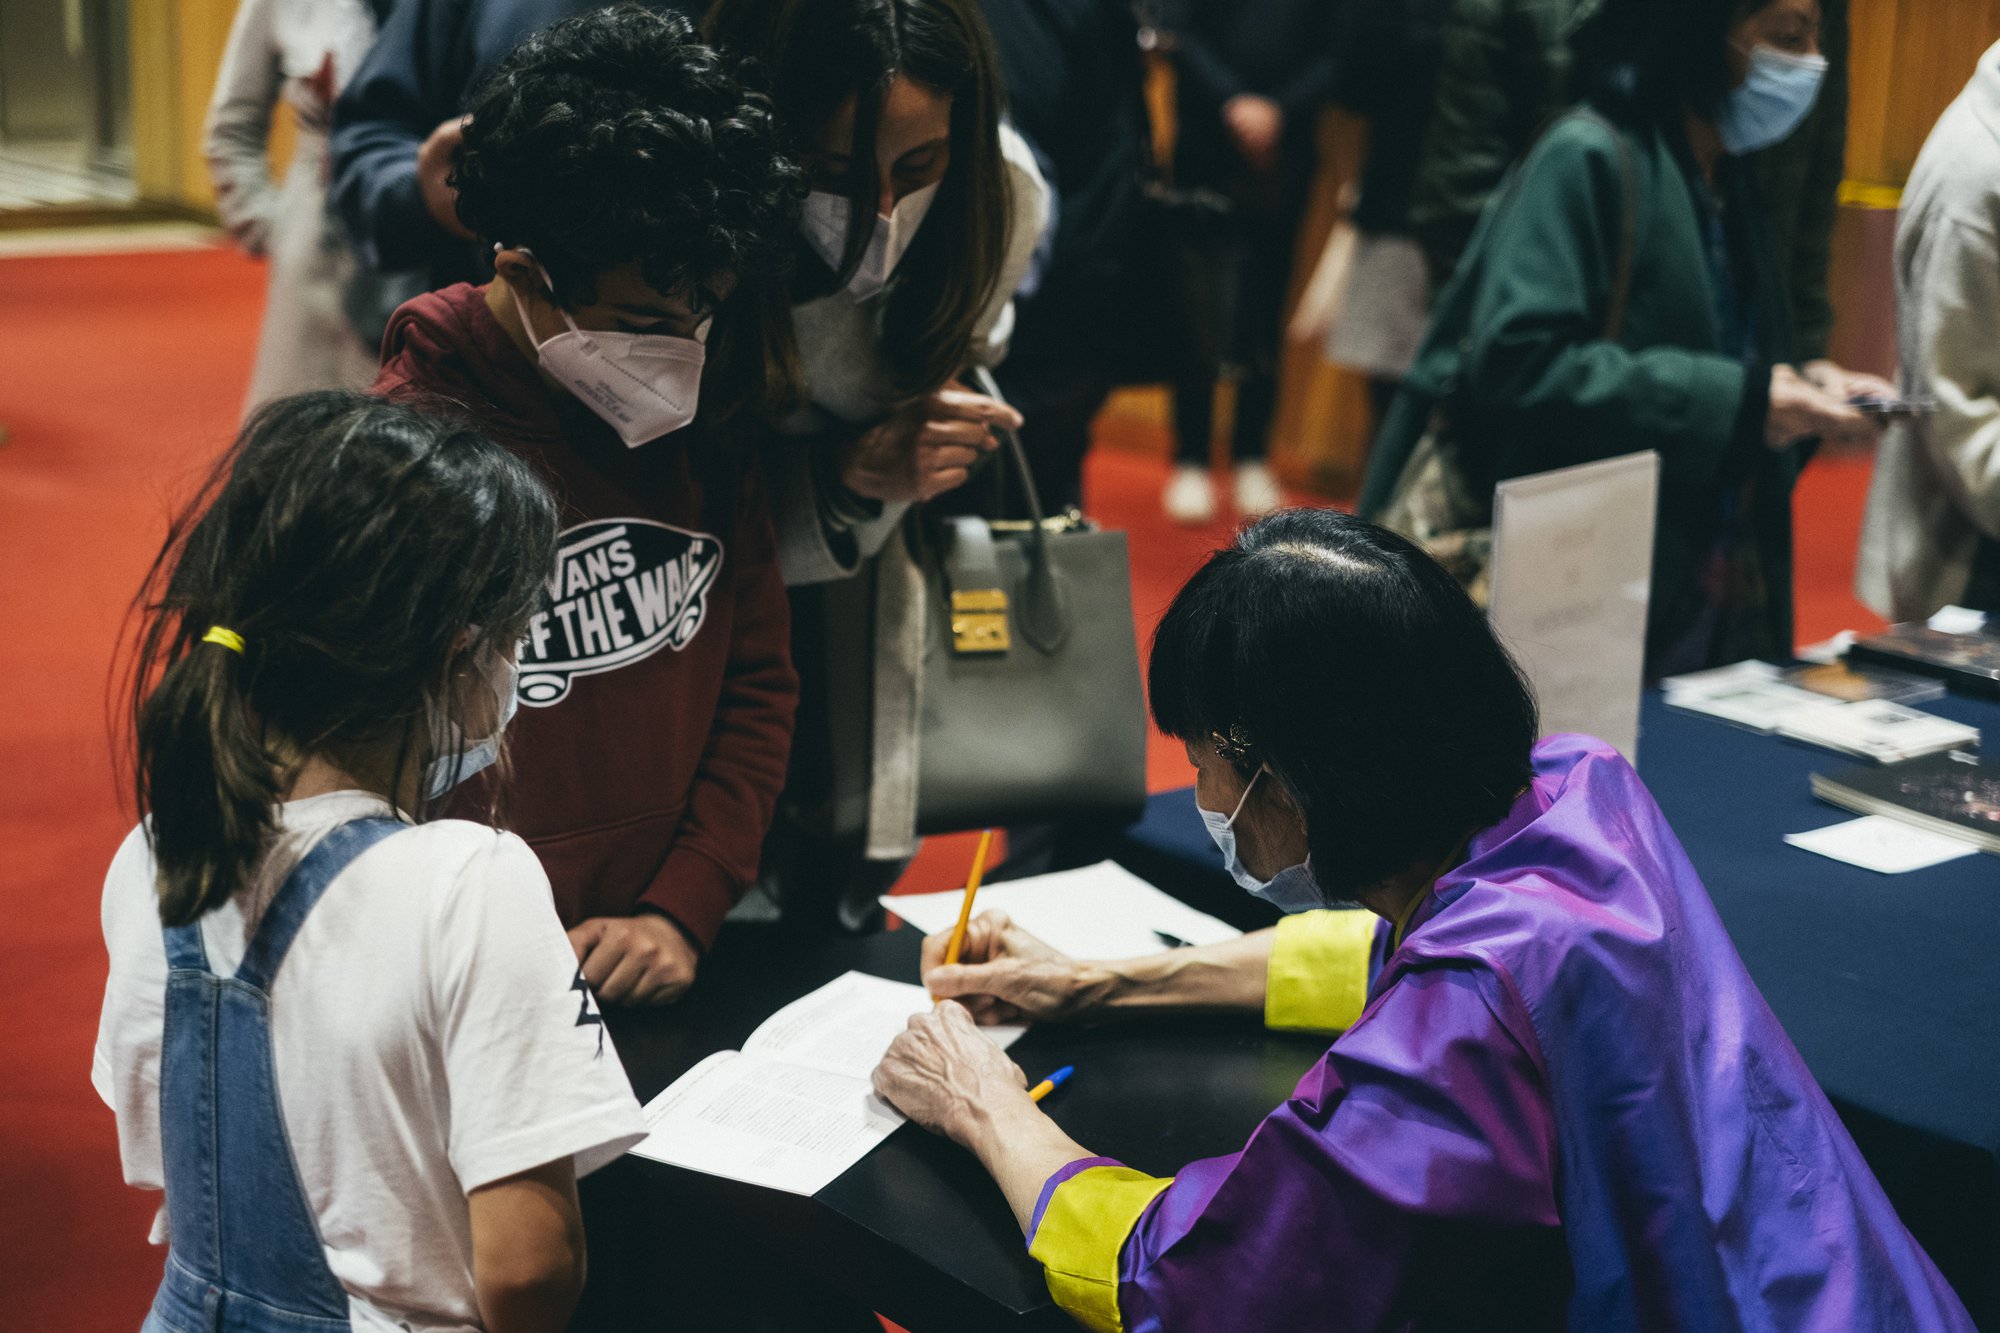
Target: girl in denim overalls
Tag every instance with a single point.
(347, 1043)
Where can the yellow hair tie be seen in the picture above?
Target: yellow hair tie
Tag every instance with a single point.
(228, 638)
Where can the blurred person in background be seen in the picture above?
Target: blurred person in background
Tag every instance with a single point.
(1387, 73)
(1624, 293)
(399, 122)
(1075, 92)
(1932, 532)
(1507, 69)
(1251, 77)
(301, 51)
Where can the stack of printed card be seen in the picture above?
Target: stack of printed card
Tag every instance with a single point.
(1876, 729)
(1755, 695)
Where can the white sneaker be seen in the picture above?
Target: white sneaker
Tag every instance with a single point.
(1190, 496)
(1257, 490)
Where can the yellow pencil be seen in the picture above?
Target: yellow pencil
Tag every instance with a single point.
(971, 891)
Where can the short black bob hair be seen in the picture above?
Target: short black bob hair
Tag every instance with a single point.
(1347, 662)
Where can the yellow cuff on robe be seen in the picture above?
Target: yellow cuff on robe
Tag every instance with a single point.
(1318, 980)
(1083, 1231)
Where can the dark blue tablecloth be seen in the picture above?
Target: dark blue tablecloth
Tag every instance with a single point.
(1888, 984)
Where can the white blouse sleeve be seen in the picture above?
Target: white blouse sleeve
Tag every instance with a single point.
(532, 1074)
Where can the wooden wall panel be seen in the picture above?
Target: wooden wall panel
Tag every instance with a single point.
(1909, 60)
(177, 48)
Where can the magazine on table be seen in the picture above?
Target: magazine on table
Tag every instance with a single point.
(1955, 793)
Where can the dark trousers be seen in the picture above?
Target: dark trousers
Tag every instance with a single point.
(1058, 402)
(1251, 276)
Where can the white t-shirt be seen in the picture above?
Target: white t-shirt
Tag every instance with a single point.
(430, 1034)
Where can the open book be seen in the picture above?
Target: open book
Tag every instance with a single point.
(793, 1109)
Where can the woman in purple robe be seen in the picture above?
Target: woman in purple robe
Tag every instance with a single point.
(1557, 1099)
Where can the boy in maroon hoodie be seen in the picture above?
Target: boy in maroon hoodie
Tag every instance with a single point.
(639, 210)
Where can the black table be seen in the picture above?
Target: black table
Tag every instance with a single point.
(916, 1229)
(1889, 985)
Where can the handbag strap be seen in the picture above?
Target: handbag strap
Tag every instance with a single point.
(1628, 229)
(1043, 615)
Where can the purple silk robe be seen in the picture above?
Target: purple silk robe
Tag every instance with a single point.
(1565, 1104)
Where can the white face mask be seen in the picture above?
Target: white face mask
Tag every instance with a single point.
(1292, 889)
(644, 384)
(453, 758)
(825, 223)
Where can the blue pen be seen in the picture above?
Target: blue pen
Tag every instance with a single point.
(1051, 1083)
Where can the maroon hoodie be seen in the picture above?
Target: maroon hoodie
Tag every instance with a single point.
(657, 692)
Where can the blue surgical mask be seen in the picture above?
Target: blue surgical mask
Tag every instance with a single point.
(1776, 95)
(455, 759)
(1292, 889)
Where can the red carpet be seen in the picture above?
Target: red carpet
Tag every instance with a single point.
(120, 376)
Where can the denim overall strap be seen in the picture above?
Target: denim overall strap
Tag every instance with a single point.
(300, 893)
(246, 1254)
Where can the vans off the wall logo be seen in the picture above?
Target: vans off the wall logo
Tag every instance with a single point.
(623, 589)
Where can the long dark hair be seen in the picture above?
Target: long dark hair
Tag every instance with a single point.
(819, 53)
(1354, 667)
(1648, 60)
(351, 543)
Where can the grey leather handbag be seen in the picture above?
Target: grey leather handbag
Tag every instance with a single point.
(1032, 707)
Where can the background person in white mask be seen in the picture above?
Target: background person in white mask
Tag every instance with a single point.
(639, 211)
(924, 213)
(327, 641)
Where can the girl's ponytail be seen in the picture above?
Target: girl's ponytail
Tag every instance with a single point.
(313, 597)
(206, 776)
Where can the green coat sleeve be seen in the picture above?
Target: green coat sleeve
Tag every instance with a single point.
(1538, 373)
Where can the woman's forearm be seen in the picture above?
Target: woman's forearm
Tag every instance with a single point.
(1020, 1148)
(1226, 976)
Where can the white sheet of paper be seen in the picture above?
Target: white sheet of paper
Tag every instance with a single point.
(1572, 575)
(845, 1026)
(1100, 911)
(769, 1122)
(1877, 842)
(794, 1108)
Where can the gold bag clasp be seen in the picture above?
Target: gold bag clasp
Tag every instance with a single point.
(979, 621)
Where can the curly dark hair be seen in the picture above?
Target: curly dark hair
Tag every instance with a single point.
(616, 136)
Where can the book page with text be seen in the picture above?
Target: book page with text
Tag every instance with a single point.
(846, 1025)
(751, 1118)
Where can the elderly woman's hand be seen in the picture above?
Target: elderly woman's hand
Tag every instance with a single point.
(943, 1073)
(1006, 975)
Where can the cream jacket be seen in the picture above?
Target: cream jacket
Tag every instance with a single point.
(1936, 489)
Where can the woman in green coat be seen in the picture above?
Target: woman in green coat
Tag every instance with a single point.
(1621, 293)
